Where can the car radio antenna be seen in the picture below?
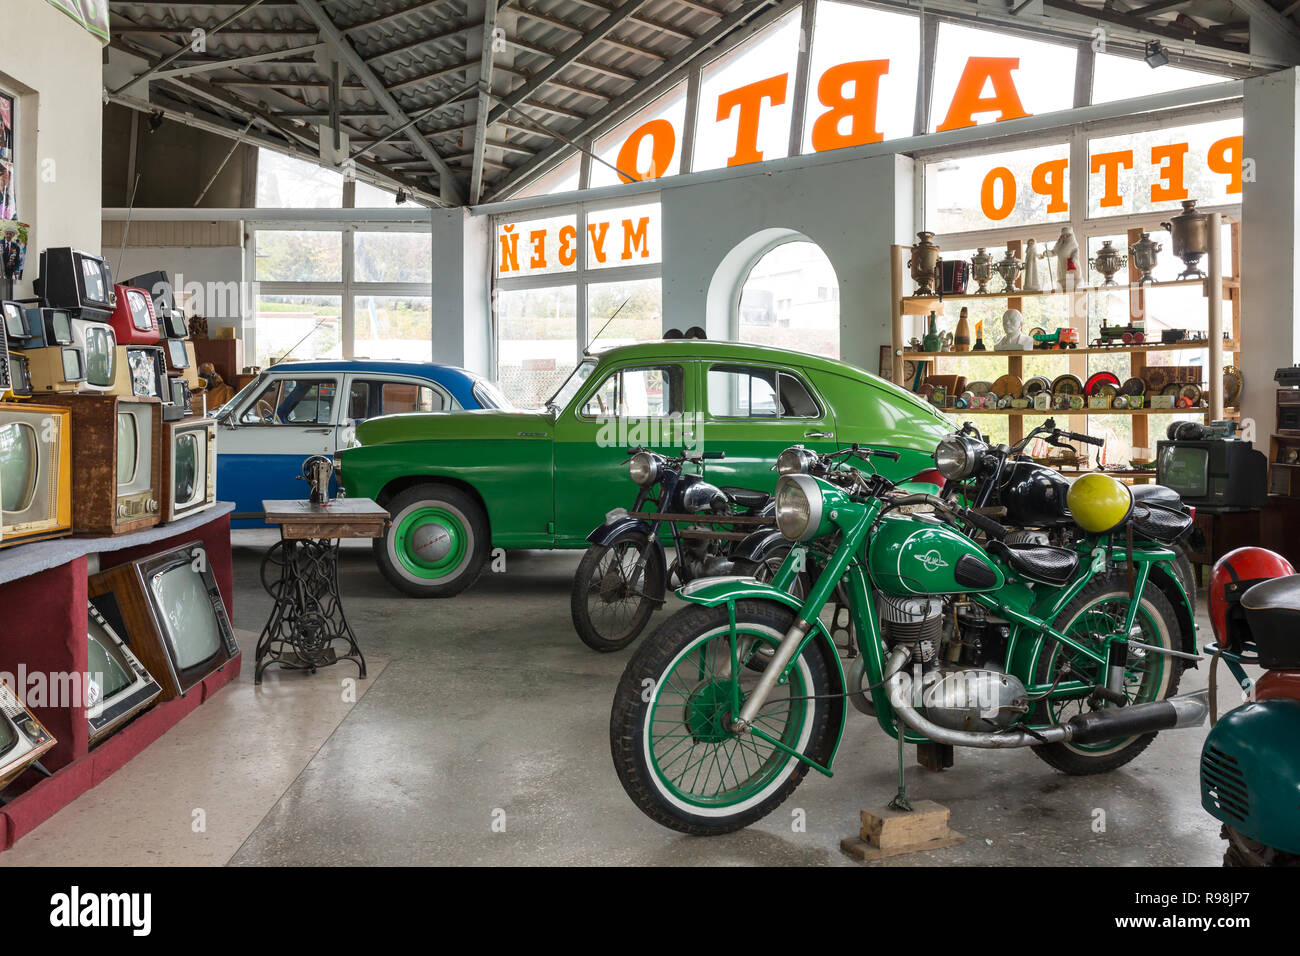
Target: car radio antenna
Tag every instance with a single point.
(130, 207)
(587, 349)
(310, 332)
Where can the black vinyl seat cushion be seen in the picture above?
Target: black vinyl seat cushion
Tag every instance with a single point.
(1038, 561)
(1158, 523)
(1272, 611)
(747, 497)
(1157, 495)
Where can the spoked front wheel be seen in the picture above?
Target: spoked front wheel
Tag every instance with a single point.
(670, 727)
(615, 590)
(1098, 610)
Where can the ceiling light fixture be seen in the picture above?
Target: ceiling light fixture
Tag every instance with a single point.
(1155, 54)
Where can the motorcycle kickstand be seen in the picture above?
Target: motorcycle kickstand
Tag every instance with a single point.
(900, 801)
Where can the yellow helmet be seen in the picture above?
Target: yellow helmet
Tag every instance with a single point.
(1099, 503)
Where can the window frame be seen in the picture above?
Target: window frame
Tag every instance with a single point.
(633, 366)
(278, 381)
(779, 370)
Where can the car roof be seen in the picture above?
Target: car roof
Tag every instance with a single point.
(718, 349)
(459, 381)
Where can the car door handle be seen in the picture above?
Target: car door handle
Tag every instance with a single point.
(319, 431)
(818, 435)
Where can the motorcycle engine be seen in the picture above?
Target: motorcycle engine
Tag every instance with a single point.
(962, 684)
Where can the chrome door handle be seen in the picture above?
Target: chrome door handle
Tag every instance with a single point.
(818, 435)
(319, 431)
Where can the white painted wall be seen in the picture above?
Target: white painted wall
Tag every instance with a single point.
(218, 270)
(854, 210)
(461, 310)
(1270, 213)
(54, 67)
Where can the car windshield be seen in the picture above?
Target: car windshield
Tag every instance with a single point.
(235, 399)
(560, 400)
(489, 396)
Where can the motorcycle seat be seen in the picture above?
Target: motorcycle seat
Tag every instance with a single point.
(1159, 523)
(1157, 495)
(1273, 614)
(747, 497)
(1037, 561)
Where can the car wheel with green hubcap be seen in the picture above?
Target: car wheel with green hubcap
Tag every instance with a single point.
(670, 726)
(436, 543)
(1098, 610)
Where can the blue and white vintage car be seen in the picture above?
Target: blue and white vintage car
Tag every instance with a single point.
(297, 409)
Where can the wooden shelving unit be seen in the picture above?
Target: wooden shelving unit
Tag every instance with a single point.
(905, 306)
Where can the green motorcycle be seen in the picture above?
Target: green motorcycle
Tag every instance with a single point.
(968, 638)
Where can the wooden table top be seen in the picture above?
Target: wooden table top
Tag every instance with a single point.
(341, 518)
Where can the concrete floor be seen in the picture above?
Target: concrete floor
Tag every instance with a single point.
(488, 709)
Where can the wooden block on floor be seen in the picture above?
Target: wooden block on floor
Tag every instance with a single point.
(886, 829)
(860, 849)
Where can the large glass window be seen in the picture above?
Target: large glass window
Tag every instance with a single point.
(1002, 75)
(286, 182)
(537, 342)
(846, 39)
(621, 313)
(299, 256)
(745, 100)
(791, 299)
(646, 146)
(393, 327)
(1123, 77)
(392, 257)
(1007, 188)
(298, 326)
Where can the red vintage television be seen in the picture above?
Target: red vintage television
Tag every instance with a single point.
(134, 320)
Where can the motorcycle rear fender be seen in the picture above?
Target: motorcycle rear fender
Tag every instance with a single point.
(716, 592)
(757, 545)
(606, 533)
(1250, 772)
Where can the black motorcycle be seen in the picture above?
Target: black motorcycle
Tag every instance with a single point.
(624, 576)
(1030, 497)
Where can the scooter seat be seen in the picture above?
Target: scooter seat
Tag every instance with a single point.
(1037, 561)
(1157, 495)
(747, 497)
(1273, 614)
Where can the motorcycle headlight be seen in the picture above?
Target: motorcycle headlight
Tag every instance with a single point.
(796, 460)
(956, 457)
(798, 507)
(643, 468)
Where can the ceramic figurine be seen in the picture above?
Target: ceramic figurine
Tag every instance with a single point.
(1033, 279)
(1066, 251)
(1015, 339)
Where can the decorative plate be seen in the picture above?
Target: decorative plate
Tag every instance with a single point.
(979, 388)
(1097, 379)
(1067, 384)
(1133, 386)
(1231, 384)
(1007, 385)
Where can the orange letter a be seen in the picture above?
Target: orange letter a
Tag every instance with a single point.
(967, 99)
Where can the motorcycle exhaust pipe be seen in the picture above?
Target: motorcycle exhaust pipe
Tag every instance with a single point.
(1112, 723)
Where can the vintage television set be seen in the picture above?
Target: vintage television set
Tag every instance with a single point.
(55, 325)
(141, 372)
(182, 396)
(172, 323)
(180, 357)
(5, 385)
(17, 327)
(98, 345)
(1214, 473)
(189, 482)
(72, 279)
(159, 286)
(121, 687)
(23, 738)
(170, 611)
(134, 320)
(56, 368)
(20, 376)
(116, 462)
(35, 473)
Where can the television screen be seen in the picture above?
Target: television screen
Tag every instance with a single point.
(173, 323)
(15, 321)
(20, 378)
(111, 676)
(74, 366)
(8, 737)
(58, 326)
(100, 345)
(18, 464)
(143, 369)
(128, 440)
(185, 479)
(138, 302)
(192, 629)
(1185, 470)
(176, 352)
(95, 279)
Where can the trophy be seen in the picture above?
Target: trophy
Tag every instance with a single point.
(925, 264)
(1008, 267)
(1189, 232)
(1108, 261)
(981, 269)
(1144, 256)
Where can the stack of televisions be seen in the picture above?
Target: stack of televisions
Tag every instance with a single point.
(96, 383)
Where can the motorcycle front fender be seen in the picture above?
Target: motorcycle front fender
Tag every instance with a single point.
(606, 533)
(716, 592)
(757, 545)
(1250, 772)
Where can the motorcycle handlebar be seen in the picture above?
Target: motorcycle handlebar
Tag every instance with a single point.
(986, 524)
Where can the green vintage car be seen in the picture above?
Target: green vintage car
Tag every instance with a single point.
(460, 485)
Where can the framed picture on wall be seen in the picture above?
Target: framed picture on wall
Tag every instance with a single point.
(8, 188)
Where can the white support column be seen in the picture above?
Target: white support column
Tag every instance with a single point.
(1270, 207)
